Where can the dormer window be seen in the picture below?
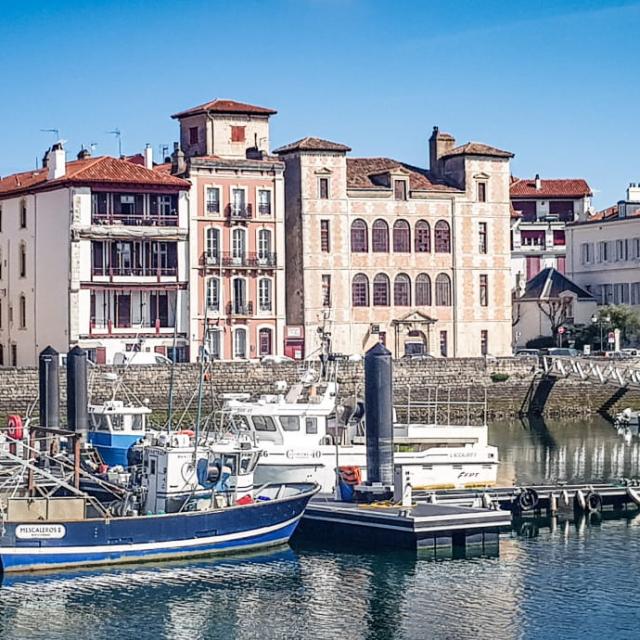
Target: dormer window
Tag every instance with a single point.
(482, 191)
(400, 189)
(193, 135)
(237, 134)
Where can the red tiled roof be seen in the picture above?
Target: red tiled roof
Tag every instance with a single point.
(102, 169)
(361, 173)
(220, 105)
(165, 167)
(266, 159)
(610, 214)
(556, 188)
(138, 158)
(477, 149)
(313, 144)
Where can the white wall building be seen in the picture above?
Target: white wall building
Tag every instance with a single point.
(93, 253)
(540, 212)
(604, 252)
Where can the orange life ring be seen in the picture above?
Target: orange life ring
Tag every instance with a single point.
(186, 432)
(15, 427)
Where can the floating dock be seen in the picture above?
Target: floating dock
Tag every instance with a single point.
(421, 526)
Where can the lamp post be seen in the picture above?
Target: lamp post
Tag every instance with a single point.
(601, 321)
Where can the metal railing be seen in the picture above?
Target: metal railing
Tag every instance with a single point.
(251, 260)
(240, 308)
(240, 212)
(613, 372)
(136, 219)
(135, 271)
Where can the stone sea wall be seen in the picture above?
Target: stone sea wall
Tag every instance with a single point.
(418, 380)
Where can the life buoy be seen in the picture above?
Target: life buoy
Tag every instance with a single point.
(351, 474)
(15, 427)
(593, 501)
(186, 432)
(528, 500)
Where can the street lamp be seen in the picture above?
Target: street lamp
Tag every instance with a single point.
(601, 321)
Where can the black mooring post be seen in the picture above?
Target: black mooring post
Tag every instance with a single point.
(77, 397)
(378, 398)
(49, 366)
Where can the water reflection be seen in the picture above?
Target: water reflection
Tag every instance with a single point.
(535, 451)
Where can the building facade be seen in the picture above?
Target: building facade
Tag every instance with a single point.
(381, 250)
(93, 253)
(236, 224)
(604, 252)
(541, 209)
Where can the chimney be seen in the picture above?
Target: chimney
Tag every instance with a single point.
(148, 157)
(439, 144)
(83, 154)
(538, 182)
(178, 164)
(56, 162)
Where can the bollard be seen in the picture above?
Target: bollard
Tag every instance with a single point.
(49, 375)
(378, 388)
(77, 400)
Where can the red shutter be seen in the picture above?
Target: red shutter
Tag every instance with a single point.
(101, 355)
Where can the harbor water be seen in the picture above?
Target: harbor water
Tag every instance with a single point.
(577, 579)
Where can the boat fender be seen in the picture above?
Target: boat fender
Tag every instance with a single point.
(15, 427)
(593, 501)
(528, 499)
(186, 432)
(487, 503)
(579, 500)
(565, 497)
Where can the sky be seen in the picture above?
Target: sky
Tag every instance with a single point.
(556, 83)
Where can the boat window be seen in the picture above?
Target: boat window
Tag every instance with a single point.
(116, 423)
(311, 425)
(264, 423)
(137, 423)
(230, 461)
(240, 421)
(153, 467)
(290, 423)
(103, 423)
(245, 463)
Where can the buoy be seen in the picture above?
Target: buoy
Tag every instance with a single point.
(528, 499)
(593, 501)
(15, 428)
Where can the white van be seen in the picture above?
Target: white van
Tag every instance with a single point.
(140, 357)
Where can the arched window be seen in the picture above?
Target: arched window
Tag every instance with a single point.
(443, 290)
(240, 343)
(423, 290)
(442, 237)
(239, 245)
(381, 290)
(359, 235)
(22, 260)
(402, 290)
(23, 312)
(423, 237)
(380, 236)
(401, 236)
(265, 342)
(213, 294)
(264, 245)
(360, 291)
(213, 245)
(264, 294)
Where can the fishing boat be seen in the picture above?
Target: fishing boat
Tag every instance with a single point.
(184, 501)
(306, 436)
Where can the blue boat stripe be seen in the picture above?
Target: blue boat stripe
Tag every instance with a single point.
(144, 546)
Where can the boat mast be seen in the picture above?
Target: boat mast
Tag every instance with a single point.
(201, 380)
(173, 363)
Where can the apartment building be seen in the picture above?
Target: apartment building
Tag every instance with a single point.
(380, 250)
(604, 251)
(92, 253)
(541, 209)
(236, 225)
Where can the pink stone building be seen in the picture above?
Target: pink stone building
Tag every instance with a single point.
(236, 229)
(378, 249)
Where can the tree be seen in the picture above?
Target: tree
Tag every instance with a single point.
(612, 317)
(557, 310)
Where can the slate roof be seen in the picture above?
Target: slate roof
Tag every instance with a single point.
(313, 144)
(555, 188)
(550, 284)
(221, 105)
(96, 170)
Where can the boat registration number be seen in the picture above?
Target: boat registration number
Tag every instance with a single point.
(40, 531)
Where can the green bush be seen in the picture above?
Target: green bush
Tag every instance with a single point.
(496, 376)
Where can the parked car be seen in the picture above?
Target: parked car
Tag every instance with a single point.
(140, 357)
(563, 352)
(527, 353)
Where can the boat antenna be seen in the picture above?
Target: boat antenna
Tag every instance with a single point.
(173, 364)
(201, 379)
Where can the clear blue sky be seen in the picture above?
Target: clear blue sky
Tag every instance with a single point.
(554, 82)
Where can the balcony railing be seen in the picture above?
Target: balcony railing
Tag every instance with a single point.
(136, 271)
(213, 207)
(136, 219)
(264, 209)
(99, 324)
(239, 212)
(240, 308)
(245, 261)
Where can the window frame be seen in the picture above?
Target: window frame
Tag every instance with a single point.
(324, 188)
(424, 281)
(380, 236)
(360, 280)
(483, 290)
(208, 201)
(483, 243)
(442, 237)
(359, 244)
(421, 231)
(443, 296)
(379, 297)
(402, 296)
(325, 235)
